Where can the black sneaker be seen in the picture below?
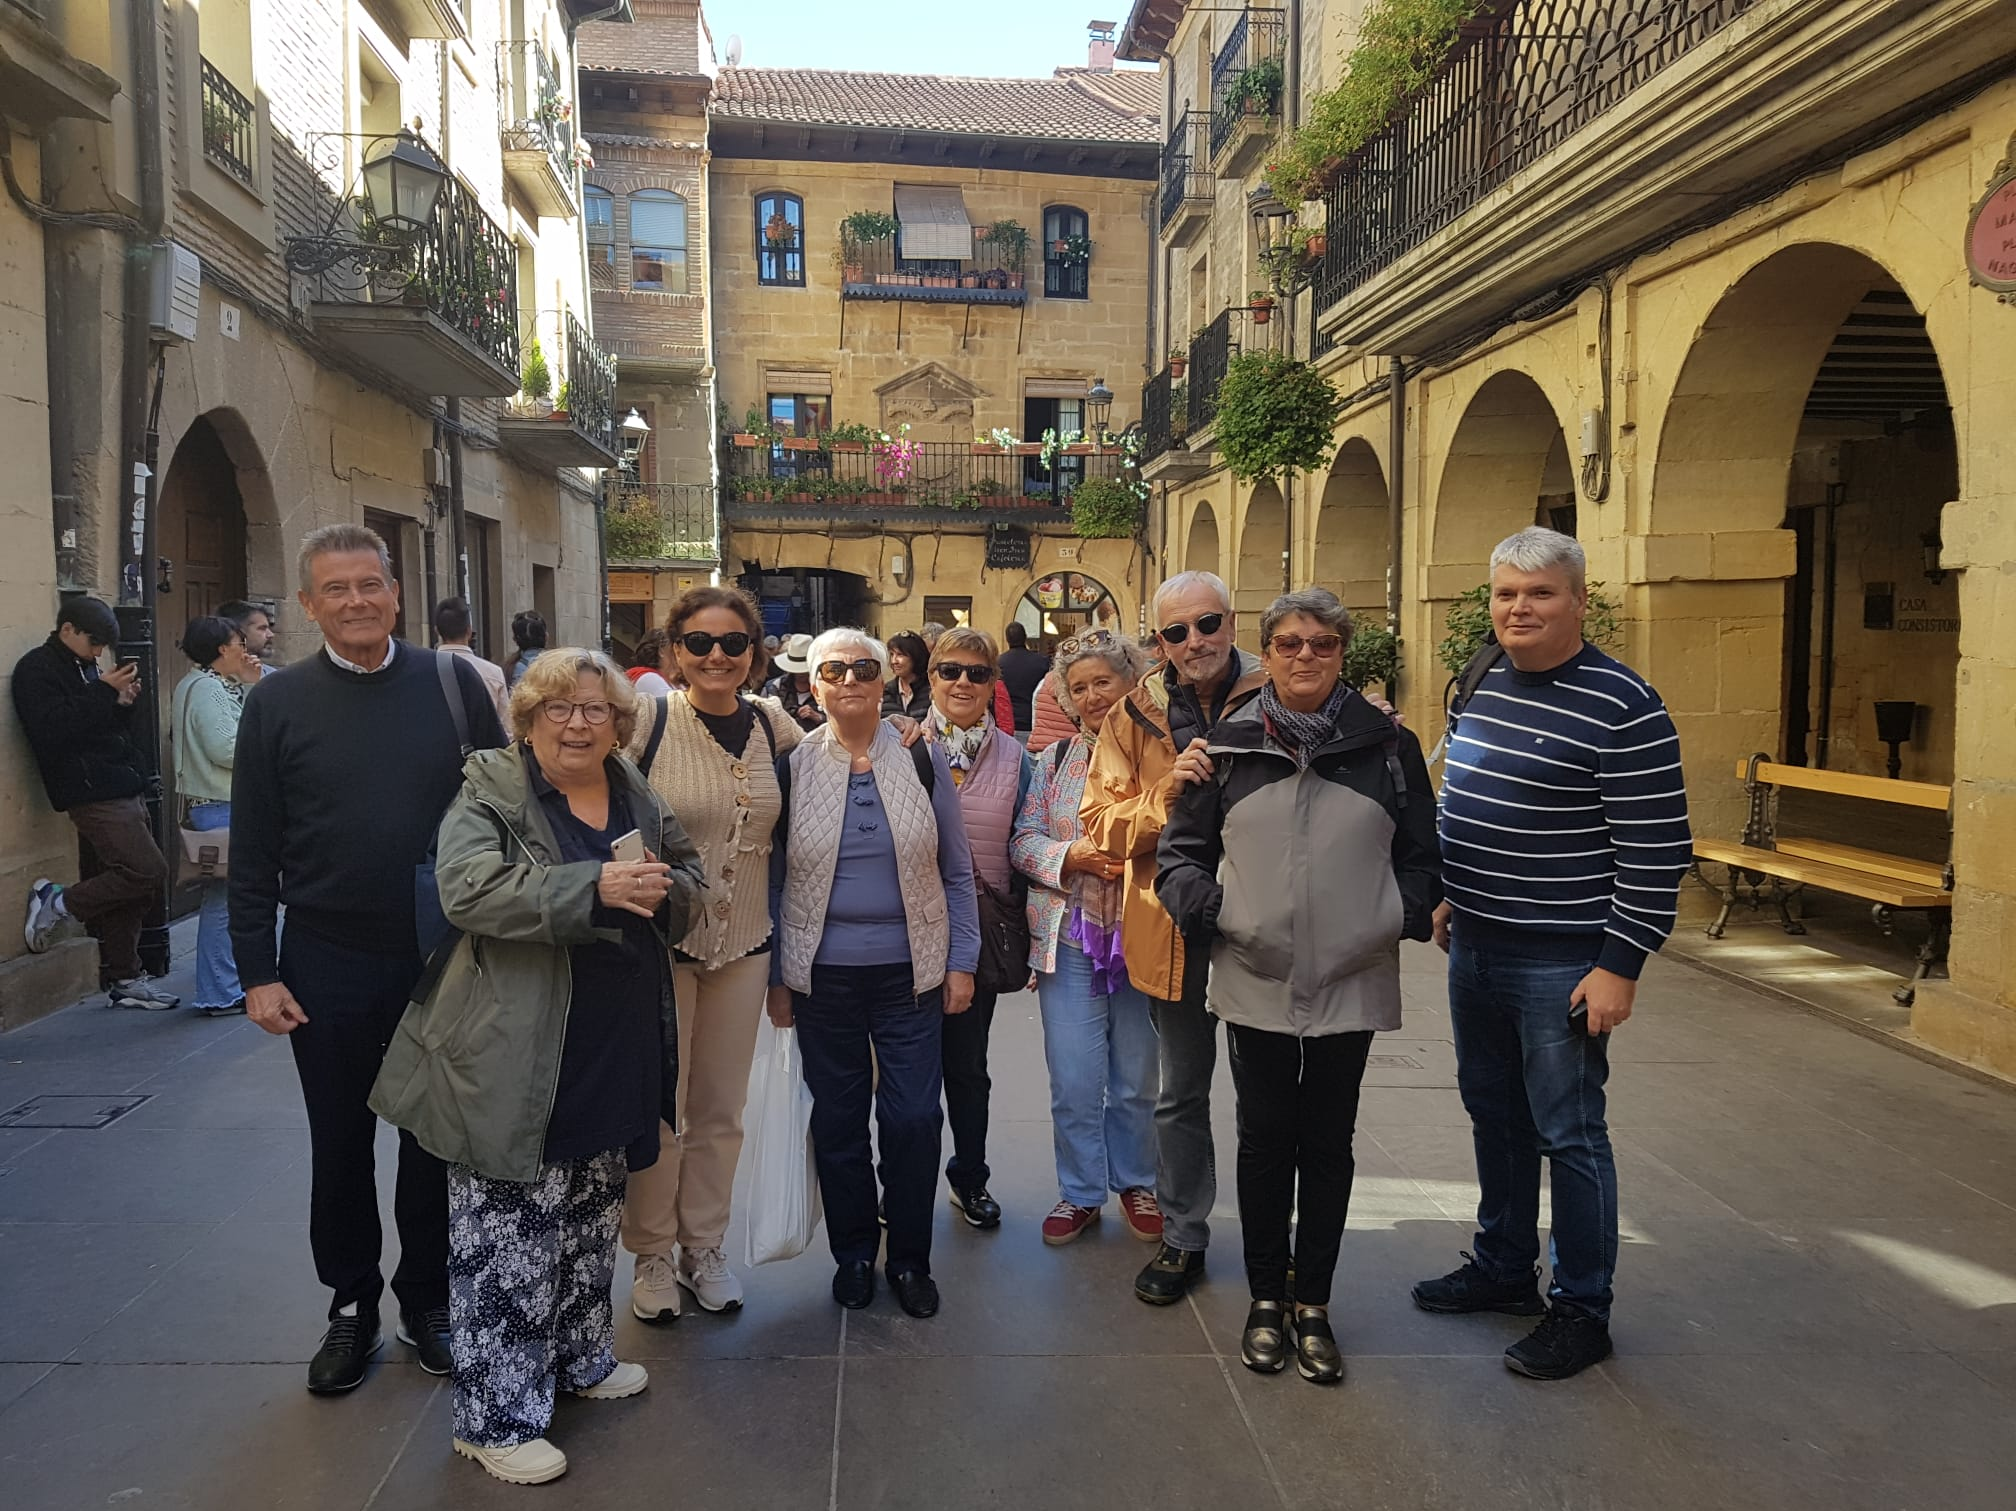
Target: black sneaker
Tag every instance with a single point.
(427, 1332)
(346, 1349)
(977, 1207)
(1468, 1289)
(1564, 1344)
(1169, 1275)
(916, 1292)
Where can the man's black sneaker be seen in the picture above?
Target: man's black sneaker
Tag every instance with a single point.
(1564, 1344)
(854, 1284)
(1169, 1275)
(916, 1292)
(427, 1333)
(977, 1207)
(1468, 1289)
(346, 1349)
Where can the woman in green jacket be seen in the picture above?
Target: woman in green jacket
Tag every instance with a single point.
(204, 716)
(543, 1053)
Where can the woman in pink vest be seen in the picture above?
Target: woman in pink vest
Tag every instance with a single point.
(993, 776)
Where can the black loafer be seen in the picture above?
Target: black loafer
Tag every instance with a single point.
(1264, 1345)
(1316, 1354)
(1169, 1276)
(977, 1207)
(854, 1284)
(427, 1334)
(346, 1350)
(916, 1292)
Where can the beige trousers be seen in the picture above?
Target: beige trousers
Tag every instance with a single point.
(684, 1198)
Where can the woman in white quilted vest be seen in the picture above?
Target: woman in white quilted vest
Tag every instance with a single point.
(992, 774)
(871, 889)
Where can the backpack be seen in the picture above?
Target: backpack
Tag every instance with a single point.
(1463, 687)
(661, 710)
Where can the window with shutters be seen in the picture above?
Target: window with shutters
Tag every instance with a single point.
(658, 241)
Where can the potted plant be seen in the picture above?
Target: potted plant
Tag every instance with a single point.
(862, 229)
(1074, 249)
(1257, 90)
(535, 381)
(1011, 249)
(1106, 508)
(969, 279)
(851, 436)
(1261, 302)
(1179, 361)
(562, 408)
(779, 231)
(1275, 416)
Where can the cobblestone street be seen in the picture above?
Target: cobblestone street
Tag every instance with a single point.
(1816, 1307)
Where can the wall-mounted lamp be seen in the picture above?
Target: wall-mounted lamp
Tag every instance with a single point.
(1098, 408)
(402, 189)
(1932, 545)
(1270, 217)
(631, 435)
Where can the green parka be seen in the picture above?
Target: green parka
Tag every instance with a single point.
(472, 1071)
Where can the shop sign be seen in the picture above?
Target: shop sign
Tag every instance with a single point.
(629, 587)
(1991, 232)
(1008, 548)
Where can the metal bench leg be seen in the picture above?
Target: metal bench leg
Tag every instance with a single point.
(1781, 896)
(1930, 954)
(1728, 889)
(1884, 919)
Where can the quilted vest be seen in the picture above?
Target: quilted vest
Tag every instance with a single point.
(819, 771)
(987, 804)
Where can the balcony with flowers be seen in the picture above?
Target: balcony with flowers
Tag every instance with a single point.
(541, 154)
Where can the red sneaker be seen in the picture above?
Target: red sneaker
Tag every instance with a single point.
(1066, 1222)
(1144, 1217)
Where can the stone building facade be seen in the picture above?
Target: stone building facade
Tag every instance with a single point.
(1702, 299)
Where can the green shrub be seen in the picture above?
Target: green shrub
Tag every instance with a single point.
(633, 529)
(1275, 415)
(1372, 656)
(536, 381)
(1105, 508)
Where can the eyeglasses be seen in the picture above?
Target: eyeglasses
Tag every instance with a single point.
(558, 712)
(864, 670)
(952, 671)
(1320, 646)
(700, 643)
(1176, 634)
(1091, 640)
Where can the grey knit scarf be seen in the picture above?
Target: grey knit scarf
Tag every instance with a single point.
(1302, 734)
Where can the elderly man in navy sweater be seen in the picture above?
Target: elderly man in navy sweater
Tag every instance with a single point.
(1564, 840)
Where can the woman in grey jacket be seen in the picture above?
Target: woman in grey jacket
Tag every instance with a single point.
(1303, 849)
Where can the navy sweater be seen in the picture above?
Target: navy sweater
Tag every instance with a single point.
(1564, 815)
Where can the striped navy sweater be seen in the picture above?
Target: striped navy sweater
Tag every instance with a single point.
(1564, 816)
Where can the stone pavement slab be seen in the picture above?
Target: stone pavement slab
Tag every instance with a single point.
(1816, 1308)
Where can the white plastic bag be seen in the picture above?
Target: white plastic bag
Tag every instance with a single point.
(783, 1181)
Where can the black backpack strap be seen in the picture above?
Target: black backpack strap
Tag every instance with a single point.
(783, 828)
(920, 757)
(661, 705)
(451, 689)
(1391, 750)
(1475, 670)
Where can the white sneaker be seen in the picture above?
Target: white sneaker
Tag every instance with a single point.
(532, 1463)
(623, 1380)
(654, 1292)
(45, 916)
(705, 1273)
(142, 991)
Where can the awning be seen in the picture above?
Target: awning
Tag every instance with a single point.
(779, 380)
(934, 220)
(1055, 388)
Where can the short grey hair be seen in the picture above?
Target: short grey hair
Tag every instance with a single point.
(1320, 604)
(830, 642)
(1537, 548)
(1182, 582)
(335, 540)
(1126, 656)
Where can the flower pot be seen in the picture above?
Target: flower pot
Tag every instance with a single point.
(744, 441)
(850, 272)
(983, 449)
(800, 443)
(856, 446)
(1178, 366)
(995, 280)
(559, 414)
(1263, 312)
(1014, 280)
(885, 279)
(969, 280)
(1059, 246)
(1318, 244)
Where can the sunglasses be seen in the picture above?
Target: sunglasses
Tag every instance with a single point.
(1320, 646)
(952, 671)
(1091, 640)
(700, 643)
(836, 672)
(558, 712)
(1176, 634)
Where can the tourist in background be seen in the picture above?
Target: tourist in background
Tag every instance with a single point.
(1304, 850)
(909, 689)
(871, 895)
(792, 686)
(256, 622)
(647, 665)
(1052, 719)
(453, 629)
(1022, 673)
(203, 717)
(1098, 1039)
(528, 633)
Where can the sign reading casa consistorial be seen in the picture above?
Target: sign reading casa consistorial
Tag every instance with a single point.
(1991, 232)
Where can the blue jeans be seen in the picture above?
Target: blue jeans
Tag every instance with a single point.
(216, 972)
(865, 1033)
(1532, 1080)
(1104, 1072)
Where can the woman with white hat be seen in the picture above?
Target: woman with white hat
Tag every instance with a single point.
(792, 686)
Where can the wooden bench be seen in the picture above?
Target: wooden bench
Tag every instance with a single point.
(1873, 812)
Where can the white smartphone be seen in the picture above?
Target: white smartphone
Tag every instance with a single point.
(629, 848)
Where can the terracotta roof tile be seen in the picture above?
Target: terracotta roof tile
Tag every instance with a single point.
(1075, 105)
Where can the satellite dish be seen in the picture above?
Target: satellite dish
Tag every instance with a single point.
(732, 54)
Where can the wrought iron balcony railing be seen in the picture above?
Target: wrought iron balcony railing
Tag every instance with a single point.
(992, 275)
(1210, 354)
(1531, 74)
(591, 387)
(538, 114)
(919, 474)
(1186, 163)
(660, 521)
(1158, 432)
(227, 125)
(1246, 76)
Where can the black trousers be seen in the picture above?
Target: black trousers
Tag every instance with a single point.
(967, 1090)
(1298, 1108)
(354, 1001)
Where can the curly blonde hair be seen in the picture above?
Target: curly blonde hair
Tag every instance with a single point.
(551, 678)
(1125, 655)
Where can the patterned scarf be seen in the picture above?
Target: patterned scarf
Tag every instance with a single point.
(961, 746)
(1302, 735)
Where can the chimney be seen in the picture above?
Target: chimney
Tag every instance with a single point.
(1099, 57)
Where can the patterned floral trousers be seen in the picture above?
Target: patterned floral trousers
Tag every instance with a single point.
(529, 1270)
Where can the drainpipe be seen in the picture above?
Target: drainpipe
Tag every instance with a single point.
(1396, 498)
(458, 519)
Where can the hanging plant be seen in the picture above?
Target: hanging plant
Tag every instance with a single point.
(1074, 250)
(1468, 621)
(1105, 508)
(1275, 415)
(1402, 45)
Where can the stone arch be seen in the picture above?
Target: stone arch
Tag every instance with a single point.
(1257, 579)
(1201, 550)
(1508, 450)
(1351, 546)
(219, 531)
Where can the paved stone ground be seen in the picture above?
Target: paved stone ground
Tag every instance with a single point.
(1817, 1308)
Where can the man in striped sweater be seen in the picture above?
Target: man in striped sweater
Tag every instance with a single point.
(1564, 840)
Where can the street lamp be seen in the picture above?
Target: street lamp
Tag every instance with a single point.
(632, 434)
(1098, 406)
(403, 186)
(1270, 217)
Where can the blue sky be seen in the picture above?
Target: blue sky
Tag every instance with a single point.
(1026, 40)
